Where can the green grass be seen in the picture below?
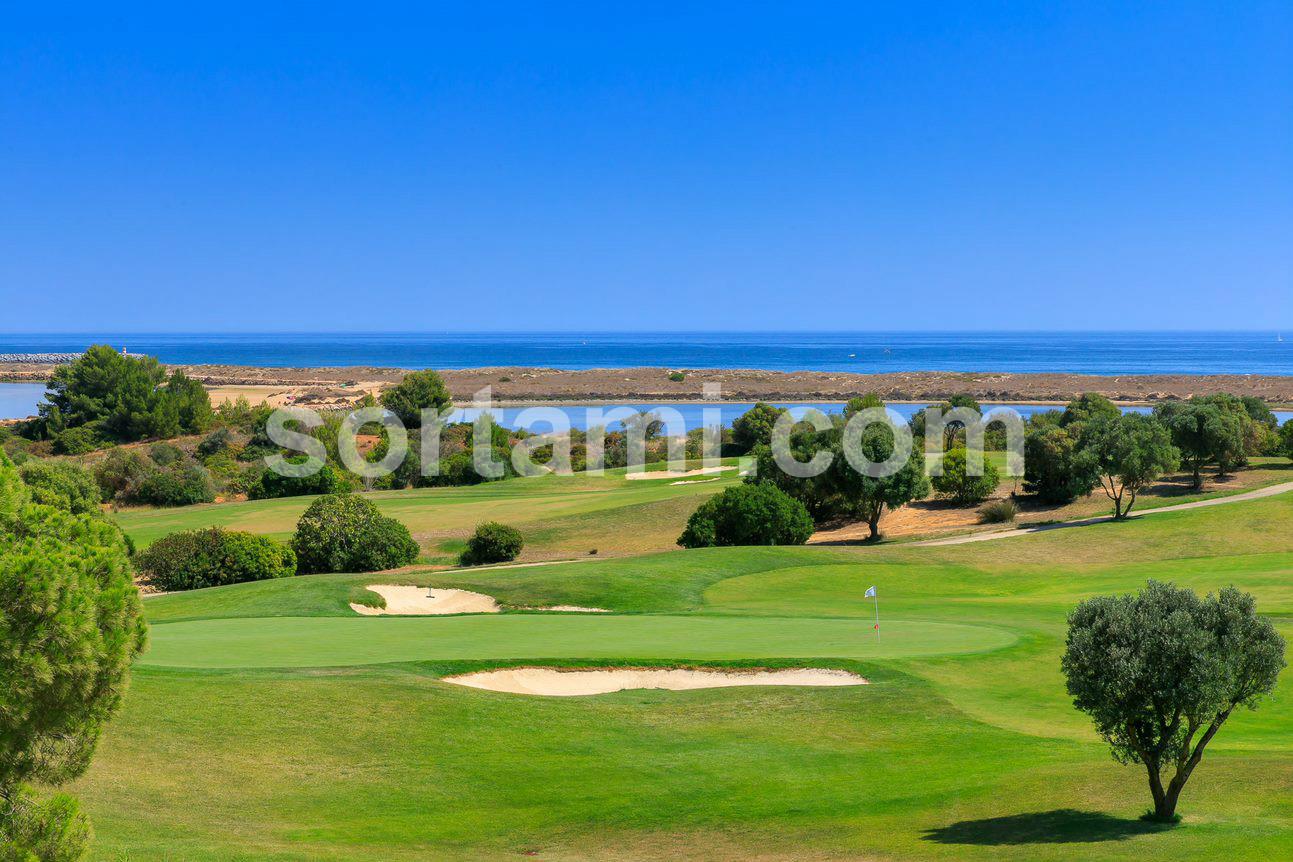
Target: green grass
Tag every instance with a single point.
(561, 515)
(269, 722)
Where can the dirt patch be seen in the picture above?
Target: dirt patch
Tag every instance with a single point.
(554, 682)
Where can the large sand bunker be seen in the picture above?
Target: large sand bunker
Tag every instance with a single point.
(431, 601)
(552, 682)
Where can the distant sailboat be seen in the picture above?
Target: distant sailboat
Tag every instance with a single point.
(1280, 338)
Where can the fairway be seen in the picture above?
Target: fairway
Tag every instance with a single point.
(332, 641)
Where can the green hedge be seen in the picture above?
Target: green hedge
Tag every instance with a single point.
(213, 557)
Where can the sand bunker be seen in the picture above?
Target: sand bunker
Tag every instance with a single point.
(677, 474)
(431, 601)
(421, 601)
(552, 682)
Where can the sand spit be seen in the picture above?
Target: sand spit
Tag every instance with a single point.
(552, 682)
(323, 386)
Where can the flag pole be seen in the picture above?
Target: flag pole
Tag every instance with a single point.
(876, 596)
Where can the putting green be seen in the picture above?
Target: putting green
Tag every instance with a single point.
(336, 641)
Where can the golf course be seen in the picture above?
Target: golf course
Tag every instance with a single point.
(268, 720)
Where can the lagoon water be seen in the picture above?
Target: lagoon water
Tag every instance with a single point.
(19, 400)
(864, 352)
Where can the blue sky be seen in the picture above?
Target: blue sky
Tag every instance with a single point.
(561, 166)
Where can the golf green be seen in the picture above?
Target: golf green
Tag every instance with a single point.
(337, 641)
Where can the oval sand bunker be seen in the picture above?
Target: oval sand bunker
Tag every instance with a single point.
(431, 601)
(550, 682)
(421, 601)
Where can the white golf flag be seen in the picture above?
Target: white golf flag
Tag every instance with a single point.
(870, 593)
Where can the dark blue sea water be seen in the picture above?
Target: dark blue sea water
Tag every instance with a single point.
(867, 352)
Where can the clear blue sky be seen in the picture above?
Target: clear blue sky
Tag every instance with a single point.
(562, 166)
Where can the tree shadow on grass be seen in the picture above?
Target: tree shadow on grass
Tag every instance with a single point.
(1062, 826)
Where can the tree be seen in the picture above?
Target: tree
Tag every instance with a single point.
(347, 533)
(1129, 453)
(858, 403)
(122, 398)
(63, 486)
(967, 478)
(1286, 438)
(492, 542)
(1088, 407)
(421, 390)
(1056, 467)
(754, 427)
(749, 514)
(72, 625)
(869, 497)
(1161, 671)
(954, 431)
(1203, 433)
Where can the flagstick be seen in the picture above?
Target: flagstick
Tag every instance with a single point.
(877, 615)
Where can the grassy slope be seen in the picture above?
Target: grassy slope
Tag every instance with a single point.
(562, 515)
(972, 756)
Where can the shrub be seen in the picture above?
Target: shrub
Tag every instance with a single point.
(120, 472)
(174, 486)
(957, 483)
(165, 454)
(751, 514)
(677, 377)
(213, 557)
(78, 441)
(1000, 512)
(63, 486)
(492, 543)
(272, 485)
(346, 533)
(216, 442)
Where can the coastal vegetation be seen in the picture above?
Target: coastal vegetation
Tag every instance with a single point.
(492, 542)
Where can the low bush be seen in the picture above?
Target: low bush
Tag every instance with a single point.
(492, 543)
(751, 514)
(78, 441)
(218, 441)
(63, 486)
(677, 377)
(165, 454)
(174, 486)
(1000, 512)
(273, 485)
(212, 557)
(346, 533)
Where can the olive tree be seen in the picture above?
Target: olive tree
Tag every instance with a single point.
(1204, 433)
(870, 497)
(1161, 671)
(1130, 453)
(70, 626)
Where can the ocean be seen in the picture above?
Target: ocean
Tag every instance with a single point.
(862, 352)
